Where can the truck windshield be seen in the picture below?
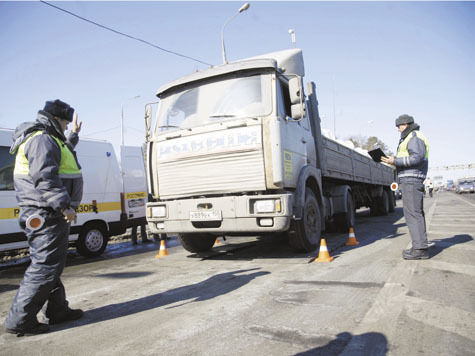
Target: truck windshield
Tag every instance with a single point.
(227, 99)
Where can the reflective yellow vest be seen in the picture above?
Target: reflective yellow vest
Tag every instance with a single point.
(68, 167)
(402, 148)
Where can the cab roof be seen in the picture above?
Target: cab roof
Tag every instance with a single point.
(287, 61)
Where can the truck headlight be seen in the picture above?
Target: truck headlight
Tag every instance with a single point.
(267, 206)
(159, 211)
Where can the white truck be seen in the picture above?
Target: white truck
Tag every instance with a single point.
(114, 195)
(237, 149)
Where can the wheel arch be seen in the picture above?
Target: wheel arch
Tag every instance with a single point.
(310, 177)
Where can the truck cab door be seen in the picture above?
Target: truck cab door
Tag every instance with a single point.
(295, 137)
(134, 181)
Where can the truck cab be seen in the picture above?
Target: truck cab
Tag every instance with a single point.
(227, 149)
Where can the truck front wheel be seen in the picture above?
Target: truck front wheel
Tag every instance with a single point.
(197, 242)
(307, 234)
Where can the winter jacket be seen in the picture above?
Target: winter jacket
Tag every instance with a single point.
(412, 161)
(43, 186)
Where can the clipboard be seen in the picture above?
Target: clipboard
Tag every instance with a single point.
(376, 154)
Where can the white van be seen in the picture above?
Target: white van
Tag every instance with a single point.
(112, 200)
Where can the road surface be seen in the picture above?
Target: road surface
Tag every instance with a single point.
(251, 296)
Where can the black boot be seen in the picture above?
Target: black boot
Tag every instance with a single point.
(36, 329)
(413, 254)
(68, 315)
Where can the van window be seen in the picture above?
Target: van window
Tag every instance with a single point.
(7, 163)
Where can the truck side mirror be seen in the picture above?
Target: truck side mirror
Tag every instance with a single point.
(295, 89)
(148, 119)
(297, 99)
(297, 111)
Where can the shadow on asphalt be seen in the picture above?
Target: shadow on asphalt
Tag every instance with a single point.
(368, 344)
(438, 245)
(210, 288)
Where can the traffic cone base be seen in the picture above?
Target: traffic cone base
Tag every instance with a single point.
(163, 250)
(323, 255)
(352, 238)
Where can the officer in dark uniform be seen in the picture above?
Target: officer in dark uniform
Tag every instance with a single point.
(49, 185)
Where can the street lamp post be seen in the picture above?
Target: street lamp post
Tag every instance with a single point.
(241, 9)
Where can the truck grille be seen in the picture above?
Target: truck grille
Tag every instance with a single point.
(225, 161)
(219, 173)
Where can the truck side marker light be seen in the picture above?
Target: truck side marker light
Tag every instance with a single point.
(163, 250)
(352, 238)
(217, 242)
(394, 186)
(35, 222)
(323, 255)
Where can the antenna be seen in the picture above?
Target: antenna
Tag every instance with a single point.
(292, 36)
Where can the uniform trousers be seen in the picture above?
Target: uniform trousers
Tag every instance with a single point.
(413, 207)
(41, 283)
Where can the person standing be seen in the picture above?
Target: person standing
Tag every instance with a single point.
(49, 186)
(143, 234)
(411, 163)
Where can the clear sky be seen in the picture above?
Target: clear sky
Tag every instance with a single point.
(371, 61)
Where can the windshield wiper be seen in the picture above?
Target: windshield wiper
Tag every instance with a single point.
(223, 115)
(178, 127)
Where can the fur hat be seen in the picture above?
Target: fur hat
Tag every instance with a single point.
(59, 109)
(404, 119)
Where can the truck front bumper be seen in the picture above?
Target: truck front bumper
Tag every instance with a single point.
(221, 215)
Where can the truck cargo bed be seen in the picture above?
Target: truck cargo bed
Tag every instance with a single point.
(344, 163)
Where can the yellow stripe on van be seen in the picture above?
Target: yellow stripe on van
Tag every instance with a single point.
(13, 213)
(135, 195)
(9, 213)
(89, 208)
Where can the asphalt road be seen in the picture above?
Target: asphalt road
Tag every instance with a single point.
(251, 296)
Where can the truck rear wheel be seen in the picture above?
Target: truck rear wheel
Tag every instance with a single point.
(307, 234)
(384, 203)
(344, 221)
(392, 201)
(197, 242)
(92, 240)
(380, 205)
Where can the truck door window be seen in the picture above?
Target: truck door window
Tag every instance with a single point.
(284, 98)
(7, 164)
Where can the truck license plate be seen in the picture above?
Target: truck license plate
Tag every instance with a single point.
(206, 215)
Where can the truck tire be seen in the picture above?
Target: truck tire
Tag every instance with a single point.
(344, 221)
(92, 240)
(380, 205)
(197, 242)
(307, 234)
(383, 203)
(392, 201)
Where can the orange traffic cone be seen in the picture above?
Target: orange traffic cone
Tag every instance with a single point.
(217, 242)
(352, 238)
(163, 250)
(323, 255)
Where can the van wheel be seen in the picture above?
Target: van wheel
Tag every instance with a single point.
(92, 240)
(307, 234)
(346, 220)
(197, 242)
